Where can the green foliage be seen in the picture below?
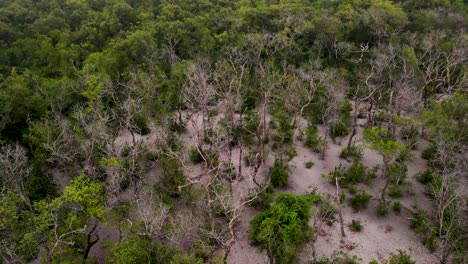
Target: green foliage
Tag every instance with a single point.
(356, 226)
(429, 153)
(380, 141)
(354, 152)
(397, 207)
(426, 177)
(309, 164)
(171, 178)
(264, 198)
(401, 258)
(283, 228)
(195, 156)
(140, 124)
(327, 211)
(395, 191)
(356, 173)
(279, 174)
(382, 208)
(339, 257)
(359, 200)
(338, 129)
(142, 250)
(312, 139)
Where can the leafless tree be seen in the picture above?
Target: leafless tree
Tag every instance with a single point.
(14, 171)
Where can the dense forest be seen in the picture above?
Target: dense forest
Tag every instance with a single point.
(233, 131)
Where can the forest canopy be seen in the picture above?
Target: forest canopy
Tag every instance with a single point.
(139, 131)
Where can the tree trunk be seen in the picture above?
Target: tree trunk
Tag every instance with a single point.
(338, 204)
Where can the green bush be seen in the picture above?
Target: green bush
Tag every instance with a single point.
(195, 156)
(313, 140)
(356, 226)
(338, 129)
(327, 211)
(264, 199)
(171, 177)
(397, 207)
(360, 200)
(419, 222)
(291, 152)
(395, 191)
(356, 173)
(309, 164)
(430, 241)
(339, 258)
(426, 177)
(429, 153)
(279, 174)
(140, 124)
(382, 208)
(354, 152)
(401, 258)
(283, 228)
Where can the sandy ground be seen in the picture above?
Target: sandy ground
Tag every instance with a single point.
(381, 236)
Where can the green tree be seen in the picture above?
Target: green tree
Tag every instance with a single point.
(380, 141)
(282, 228)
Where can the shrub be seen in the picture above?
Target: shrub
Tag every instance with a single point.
(382, 208)
(140, 124)
(309, 164)
(313, 140)
(339, 258)
(360, 200)
(264, 199)
(171, 178)
(419, 222)
(279, 174)
(426, 177)
(327, 212)
(338, 129)
(429, 153)
(283, 228)
(291, 151)
(357, 173)
(354, 152)
(395, 191)
(397, 207)
(195, 156)
(356, 226)
(401, 258)
(430, 241)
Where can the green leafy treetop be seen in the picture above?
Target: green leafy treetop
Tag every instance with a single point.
(283, 227)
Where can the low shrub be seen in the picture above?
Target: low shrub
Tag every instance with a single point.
(382, 208)
(356, 226)
(309, 164)
(426, 177)
(140, 124)
(291, 152)
(264, 198)
(395, 191)
(397, 207)
(313, 140)
(354, 152)
(279, 174)
(419, 223)
(338, 129)
(195, 156)
(401, 258)
(359, 200)
(339, 258)
(327, 211)
(429, 153)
